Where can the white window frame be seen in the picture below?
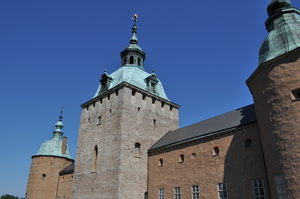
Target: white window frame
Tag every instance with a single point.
(177, 192)
(281, 188)
(222, 191)
(195, 192)
(258, 189)
(161, 193)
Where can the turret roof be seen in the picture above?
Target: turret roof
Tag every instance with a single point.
(53, 147)
(284, 27)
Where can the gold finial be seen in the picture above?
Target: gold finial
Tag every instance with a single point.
(135, 18)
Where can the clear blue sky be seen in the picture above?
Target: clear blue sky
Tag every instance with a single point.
(53, 52)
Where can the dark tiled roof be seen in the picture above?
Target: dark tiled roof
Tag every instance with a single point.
(68, 170)
(235, 118)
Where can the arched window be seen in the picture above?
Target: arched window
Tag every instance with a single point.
(181, 158)
(248, 143)
(139, 61)
(137, 148)
(216, 150)
(43, 176)
(160, 162)
(146, 195)
(131, 59)
(95, 154)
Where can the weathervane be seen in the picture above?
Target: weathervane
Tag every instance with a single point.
(61, 112)
(135, 18)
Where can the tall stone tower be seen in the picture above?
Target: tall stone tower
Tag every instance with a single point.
(52, 157)
(275, 86)
(129, 112)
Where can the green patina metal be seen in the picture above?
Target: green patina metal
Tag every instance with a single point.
(132, 73)
(53, 147)
(283, 25)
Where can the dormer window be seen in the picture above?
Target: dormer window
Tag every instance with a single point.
(131, 59)
(105, 82)
(152, 82)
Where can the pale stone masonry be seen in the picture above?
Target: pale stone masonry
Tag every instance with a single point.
(130, 146)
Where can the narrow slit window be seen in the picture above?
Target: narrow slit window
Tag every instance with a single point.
(160, 162)
(181, 158)
(137, 149)
(95, 154)
(43, 176)
(248, 144)
(99, 120)
(216, 150)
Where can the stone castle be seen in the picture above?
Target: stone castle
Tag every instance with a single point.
(130, 146)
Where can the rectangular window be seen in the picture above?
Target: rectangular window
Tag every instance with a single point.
(222, 191)
(161, 193)
(258, 189)
(177, 193)
(99, 120)
(195, 192)
(280, 185)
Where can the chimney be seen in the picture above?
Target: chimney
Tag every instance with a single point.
(64, 145)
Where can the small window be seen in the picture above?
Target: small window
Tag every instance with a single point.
(195, 192)
(43, 176)
(146, 195)
(177, 193)
(131, 60)
(162, 104)
(280, 185)
(95, 154)
(258, 189)
(99, 120)
(181, 158)
(248, 144)
(137, 148)
(71, 178)
(161, 193)
(222, 191)
(154, 122)
(216, 150)
(117, 92)
(108, 97)
(295, 94)
(160, 162)
(194, 155)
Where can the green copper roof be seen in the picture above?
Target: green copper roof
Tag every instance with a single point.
(132, 71)
(283, 25)
(135, 75)
(54, 146)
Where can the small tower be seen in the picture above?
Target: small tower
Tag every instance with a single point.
(127, 115)
(52, 157)
(275, 86)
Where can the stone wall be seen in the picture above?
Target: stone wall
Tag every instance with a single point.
(235, 165)
(131, 121)
(275, 87)
(44, 176)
